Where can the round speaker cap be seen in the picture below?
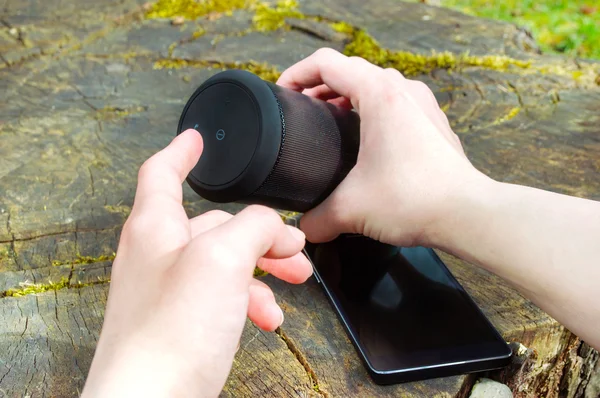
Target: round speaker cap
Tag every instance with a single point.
(239, 118)
(228, 120)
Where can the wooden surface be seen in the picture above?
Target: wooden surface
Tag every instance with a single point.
(86, 96)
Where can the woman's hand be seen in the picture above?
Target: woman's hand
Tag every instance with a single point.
(413, 185)
(181, 288)
(410, 164)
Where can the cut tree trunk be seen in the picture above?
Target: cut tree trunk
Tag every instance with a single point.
(90, 89)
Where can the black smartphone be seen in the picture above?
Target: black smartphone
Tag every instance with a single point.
(407, 316)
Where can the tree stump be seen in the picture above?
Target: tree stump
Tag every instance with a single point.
(90, 89)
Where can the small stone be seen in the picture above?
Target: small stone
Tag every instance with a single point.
(178, 21)
(13, 32)
(487, 388)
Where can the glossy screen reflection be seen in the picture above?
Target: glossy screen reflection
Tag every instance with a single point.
(402, 305)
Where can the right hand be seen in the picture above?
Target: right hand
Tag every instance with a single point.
(410, 166)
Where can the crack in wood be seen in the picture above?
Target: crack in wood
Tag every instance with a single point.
(55, 287)
(303, 361)
(513, 88)
(13, 240)
(5, 374)
(91, 181)
(8, 229)
(26, 324)
(473, 109)
(467, 386)
(13, 252)
(311, 33)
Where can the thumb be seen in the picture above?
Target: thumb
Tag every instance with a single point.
(335, 215)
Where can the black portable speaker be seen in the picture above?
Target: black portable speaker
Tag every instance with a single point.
(265, 144)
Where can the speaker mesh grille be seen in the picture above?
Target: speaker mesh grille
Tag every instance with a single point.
(310, 156)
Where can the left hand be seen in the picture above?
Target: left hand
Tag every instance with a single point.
(181, 288)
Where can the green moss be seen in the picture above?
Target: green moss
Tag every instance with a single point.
(495, 62)
(509, 116)
(342, 27)
(286, 215)
(263, 70)
(85, 260)
(268, 18)
(198, 33)
(4, 253)
(174, 63)
(577, 74)
(259, 272)
(290, 217)
(584, 74)
(172, 48)
(36, 288)
(410, 64)
(193, 9)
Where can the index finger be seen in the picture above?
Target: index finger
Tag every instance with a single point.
(235, 246)
(161, 176)
(344, 75)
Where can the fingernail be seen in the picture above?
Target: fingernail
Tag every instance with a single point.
(282, 317)
(299, 235)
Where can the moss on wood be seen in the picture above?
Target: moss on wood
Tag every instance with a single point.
(85, 260)
(33, 288)
(269, 18)
(410, 64)
(263, 70)
(259, 272)
(509, 116)
(193, 9)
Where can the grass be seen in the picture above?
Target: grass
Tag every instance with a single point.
(564, 26)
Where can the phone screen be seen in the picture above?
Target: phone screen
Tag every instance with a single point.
(402, 306)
